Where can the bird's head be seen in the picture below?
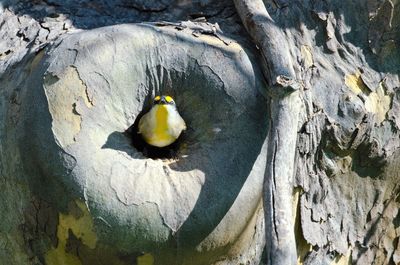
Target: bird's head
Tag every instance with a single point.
(163, 100)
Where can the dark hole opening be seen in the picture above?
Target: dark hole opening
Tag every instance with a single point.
(168, 152)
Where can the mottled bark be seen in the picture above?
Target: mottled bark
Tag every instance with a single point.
(333, 104)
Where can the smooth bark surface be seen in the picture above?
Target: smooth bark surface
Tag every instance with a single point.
(285, 107)
(278, 67)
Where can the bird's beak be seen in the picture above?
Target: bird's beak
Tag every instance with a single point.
(163, 100)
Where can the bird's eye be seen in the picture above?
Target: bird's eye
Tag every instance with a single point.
(156, 99)
(169, 99)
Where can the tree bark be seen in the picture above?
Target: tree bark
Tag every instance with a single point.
(284, 109)
(306, 169)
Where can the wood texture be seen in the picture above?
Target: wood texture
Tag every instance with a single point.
(332, 68)
(284, 109)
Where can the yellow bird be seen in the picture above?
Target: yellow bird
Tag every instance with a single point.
(162, 125)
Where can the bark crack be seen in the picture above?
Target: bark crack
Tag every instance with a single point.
(273, 215)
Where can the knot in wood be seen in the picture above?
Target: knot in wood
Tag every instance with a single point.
(284, 85)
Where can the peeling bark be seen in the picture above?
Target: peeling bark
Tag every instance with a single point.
(332, 69)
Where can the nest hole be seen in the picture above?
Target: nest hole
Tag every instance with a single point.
(168, 152)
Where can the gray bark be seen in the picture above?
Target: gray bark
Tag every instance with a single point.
(278, 67)
(284, 109)
(323, 134)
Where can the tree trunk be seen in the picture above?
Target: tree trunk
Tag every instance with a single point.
(291, 154)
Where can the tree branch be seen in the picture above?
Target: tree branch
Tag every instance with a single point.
(282, 137)
(276, 61)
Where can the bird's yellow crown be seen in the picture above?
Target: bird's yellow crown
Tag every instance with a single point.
(163, 99)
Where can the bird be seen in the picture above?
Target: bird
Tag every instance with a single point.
(163, 124)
